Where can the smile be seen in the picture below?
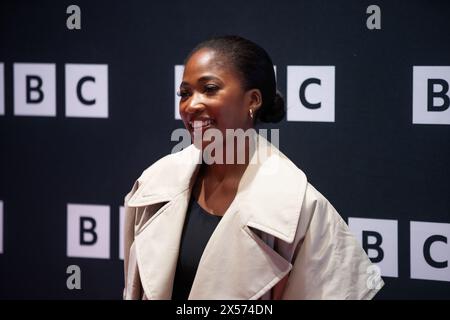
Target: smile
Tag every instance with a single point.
(198, 124)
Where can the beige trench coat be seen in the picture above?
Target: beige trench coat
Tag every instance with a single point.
(279, 239)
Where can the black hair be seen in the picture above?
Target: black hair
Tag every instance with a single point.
(255, 67)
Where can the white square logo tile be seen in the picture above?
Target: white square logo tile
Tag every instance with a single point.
(88, 228)
(430, 250)
(87, 90)
(431, 96)
(378, 237)
(35, 89)
(310, 93)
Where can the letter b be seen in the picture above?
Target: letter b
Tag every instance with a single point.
(373, 246)
(442, 94)
(88, 230)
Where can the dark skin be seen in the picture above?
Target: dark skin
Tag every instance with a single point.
(212, 91)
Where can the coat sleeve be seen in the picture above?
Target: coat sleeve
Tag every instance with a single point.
(128, 238)
(328, 263)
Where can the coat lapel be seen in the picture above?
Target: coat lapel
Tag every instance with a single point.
(165, 187)
(157, 248)
(236, 262)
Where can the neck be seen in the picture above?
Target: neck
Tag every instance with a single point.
(220, 171)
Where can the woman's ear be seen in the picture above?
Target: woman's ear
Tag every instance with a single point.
(254, 99)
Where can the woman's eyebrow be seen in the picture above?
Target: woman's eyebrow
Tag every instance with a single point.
(201, 79)
(207, 78)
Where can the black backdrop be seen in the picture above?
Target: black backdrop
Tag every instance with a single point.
(371, 162)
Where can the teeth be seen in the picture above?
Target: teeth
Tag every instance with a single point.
(200, 124)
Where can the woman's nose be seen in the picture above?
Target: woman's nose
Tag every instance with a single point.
(195, 104)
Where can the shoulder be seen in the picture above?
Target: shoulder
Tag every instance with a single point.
(171, 168)
(165, 177)
(316, 210)
(320, 222)
(168, 163)
(312, 198)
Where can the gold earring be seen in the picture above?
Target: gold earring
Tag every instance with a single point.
(251, 113)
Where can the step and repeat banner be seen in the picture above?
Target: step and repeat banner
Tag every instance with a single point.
(88, 101)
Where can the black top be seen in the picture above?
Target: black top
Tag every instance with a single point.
(198, 227)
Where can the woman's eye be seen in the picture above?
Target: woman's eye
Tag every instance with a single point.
(211, 88)
(182, 94)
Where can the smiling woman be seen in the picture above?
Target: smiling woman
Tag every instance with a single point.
(251, 230)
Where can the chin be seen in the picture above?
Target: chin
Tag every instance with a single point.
(201, 145)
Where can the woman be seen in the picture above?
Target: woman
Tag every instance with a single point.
(252, 229)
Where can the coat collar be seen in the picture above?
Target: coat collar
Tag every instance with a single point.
(270, 191)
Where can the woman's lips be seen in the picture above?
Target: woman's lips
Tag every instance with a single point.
(201, 124)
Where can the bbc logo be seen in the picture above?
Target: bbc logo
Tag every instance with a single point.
(34, 86)
(429, 246)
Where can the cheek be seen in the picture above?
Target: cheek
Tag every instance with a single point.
(228, 118)
(181, 109)
(184, 114)
(231, 113)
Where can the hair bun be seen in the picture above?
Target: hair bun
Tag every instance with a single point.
(273, 112)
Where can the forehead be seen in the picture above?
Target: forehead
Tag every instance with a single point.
(206, 64)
